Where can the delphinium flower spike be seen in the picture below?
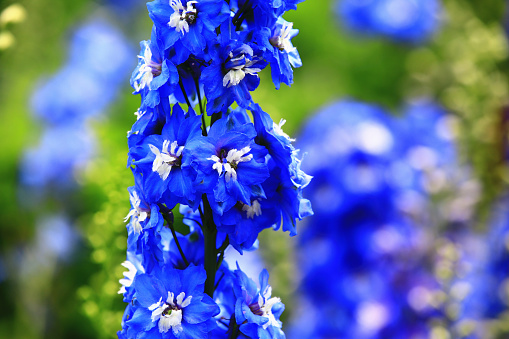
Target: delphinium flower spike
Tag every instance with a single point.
(231, 175)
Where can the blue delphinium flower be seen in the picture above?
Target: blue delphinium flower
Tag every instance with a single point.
(233, 72)
(163, 160)
(400, 20)
(256, 311)
(170, 303)
(230, 165)
(279, 51)
(192, 22)
(144, 228)
(153, 72)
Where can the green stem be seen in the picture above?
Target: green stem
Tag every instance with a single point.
(184, 93)
(221, 251)
(234, 327)
(210, 260)
(204, 124)
(169, 221)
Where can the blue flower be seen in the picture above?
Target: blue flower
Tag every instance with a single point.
(256, 13)
(144, 228)
(170, 303)
(153, 72)
(284, 187)
(230, 165)
(102, 50)
(193, 22)
(279, 51)
(243, 222)
(256, 311)
(163, 160)
(372, 175)
(232, 74)
(284, 196)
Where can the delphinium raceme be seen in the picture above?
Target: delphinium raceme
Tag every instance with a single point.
(200, 144)
(378, 225)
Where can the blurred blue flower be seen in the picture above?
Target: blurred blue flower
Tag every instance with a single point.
(370, 235)
(99, 61)
(412, 21)
(62, 153)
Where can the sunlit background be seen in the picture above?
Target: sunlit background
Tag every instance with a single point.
(401, 112)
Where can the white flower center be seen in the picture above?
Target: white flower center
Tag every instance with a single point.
(230, 163)
(282, 41)
(166, 159)
(264, 307)
(169, 313)
(182, 16)
(147, 70)
(254, 209)
(137, 214)
(241, 65)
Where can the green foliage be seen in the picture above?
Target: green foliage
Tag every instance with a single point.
(462, 68)
(107, 236)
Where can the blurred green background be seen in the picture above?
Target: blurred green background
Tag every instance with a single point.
(464, 67)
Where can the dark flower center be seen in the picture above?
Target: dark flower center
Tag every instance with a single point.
(255, 308)
(190, 17)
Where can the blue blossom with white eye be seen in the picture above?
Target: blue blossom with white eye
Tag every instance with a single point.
(271, 136)
(163, 160)
(230, 165)
(232, 74)
(144, 227)
(279, 51)
(192, 22)
(170, 303)
(256, 311)
(243, 222)
(153, 72)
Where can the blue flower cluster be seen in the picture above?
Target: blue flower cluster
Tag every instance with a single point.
(63, 103)
(373, 176)
(400, 20)
(201, 143)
